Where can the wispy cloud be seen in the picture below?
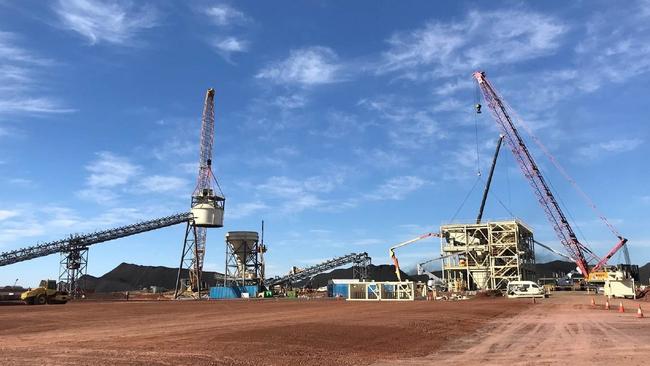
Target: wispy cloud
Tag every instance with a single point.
(225, 47)
(596, 150)
(225, 15)
(241, 210)
(161, 183)
(396, 188)
(617, 51)
(227, 42)
(306, 67)
(411, 127)
(115, 22)
(107, 172)
(20, 71)
(6, 214)
(479, 40)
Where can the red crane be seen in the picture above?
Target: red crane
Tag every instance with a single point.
(579, 252)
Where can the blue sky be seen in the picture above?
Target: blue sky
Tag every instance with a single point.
(346, 126)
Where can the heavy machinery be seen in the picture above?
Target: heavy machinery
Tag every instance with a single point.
(579, 252)
(47, 292)
(391, 251)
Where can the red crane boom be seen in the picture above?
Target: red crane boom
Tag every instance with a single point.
(581, 254)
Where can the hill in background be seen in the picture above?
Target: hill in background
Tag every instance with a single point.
(131, 277)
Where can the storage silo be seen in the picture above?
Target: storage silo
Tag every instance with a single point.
(243, 259)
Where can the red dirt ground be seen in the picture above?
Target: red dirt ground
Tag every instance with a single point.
(561, 330)
(258, 332)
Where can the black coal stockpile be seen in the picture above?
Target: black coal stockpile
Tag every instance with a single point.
(382, 272)
(554, 269)
(130, 277)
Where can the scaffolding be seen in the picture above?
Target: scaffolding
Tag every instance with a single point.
(488, 255)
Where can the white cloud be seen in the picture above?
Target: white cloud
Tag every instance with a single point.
(32, 105)
(116, 22)
(160, 183)
(305, 66)
(615, 51)
(20, 73)
(6, 214)
(225, 15)
(381, 158)
(110, 170)
(613, 146)
(294, 195)
(479, 40)
(411, 127)
(396, 188)
(292, 101)
(231, 44)
(240, 210)
(225, 43)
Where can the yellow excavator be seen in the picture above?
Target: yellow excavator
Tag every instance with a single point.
(45, 293)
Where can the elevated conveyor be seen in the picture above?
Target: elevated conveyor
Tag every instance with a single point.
(360, 261)
(79, 242)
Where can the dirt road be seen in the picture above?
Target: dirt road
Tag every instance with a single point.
(269, 332)
(561, 330)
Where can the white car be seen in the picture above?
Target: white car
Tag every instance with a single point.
(524, 289)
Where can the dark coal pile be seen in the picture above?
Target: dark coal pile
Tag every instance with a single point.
(554, 269)
(131, 277)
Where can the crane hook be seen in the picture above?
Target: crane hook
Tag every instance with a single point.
(478, 108)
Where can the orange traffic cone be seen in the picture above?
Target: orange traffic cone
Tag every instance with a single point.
(593, 302)
(621, 309)
(639, 312)
(607, 304)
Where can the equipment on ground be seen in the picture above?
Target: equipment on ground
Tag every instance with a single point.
(360, 262)
(391, 251)
(580, 253)
(46, 293)
(207, 207)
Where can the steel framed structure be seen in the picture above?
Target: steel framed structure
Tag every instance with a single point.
(72, 266)
(488, 255)
(243, 263)
(381, 291)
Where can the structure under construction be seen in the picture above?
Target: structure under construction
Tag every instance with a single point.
(488, 255)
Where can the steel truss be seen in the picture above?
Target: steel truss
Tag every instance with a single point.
(73, 265)
(360, 260)
(79, 242)
(189, 257)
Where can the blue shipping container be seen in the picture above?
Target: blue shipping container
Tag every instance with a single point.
(232, 292)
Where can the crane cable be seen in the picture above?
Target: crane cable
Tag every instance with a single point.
(478, 110)
(559, 167)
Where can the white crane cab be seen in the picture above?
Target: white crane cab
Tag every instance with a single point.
(518, 289)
